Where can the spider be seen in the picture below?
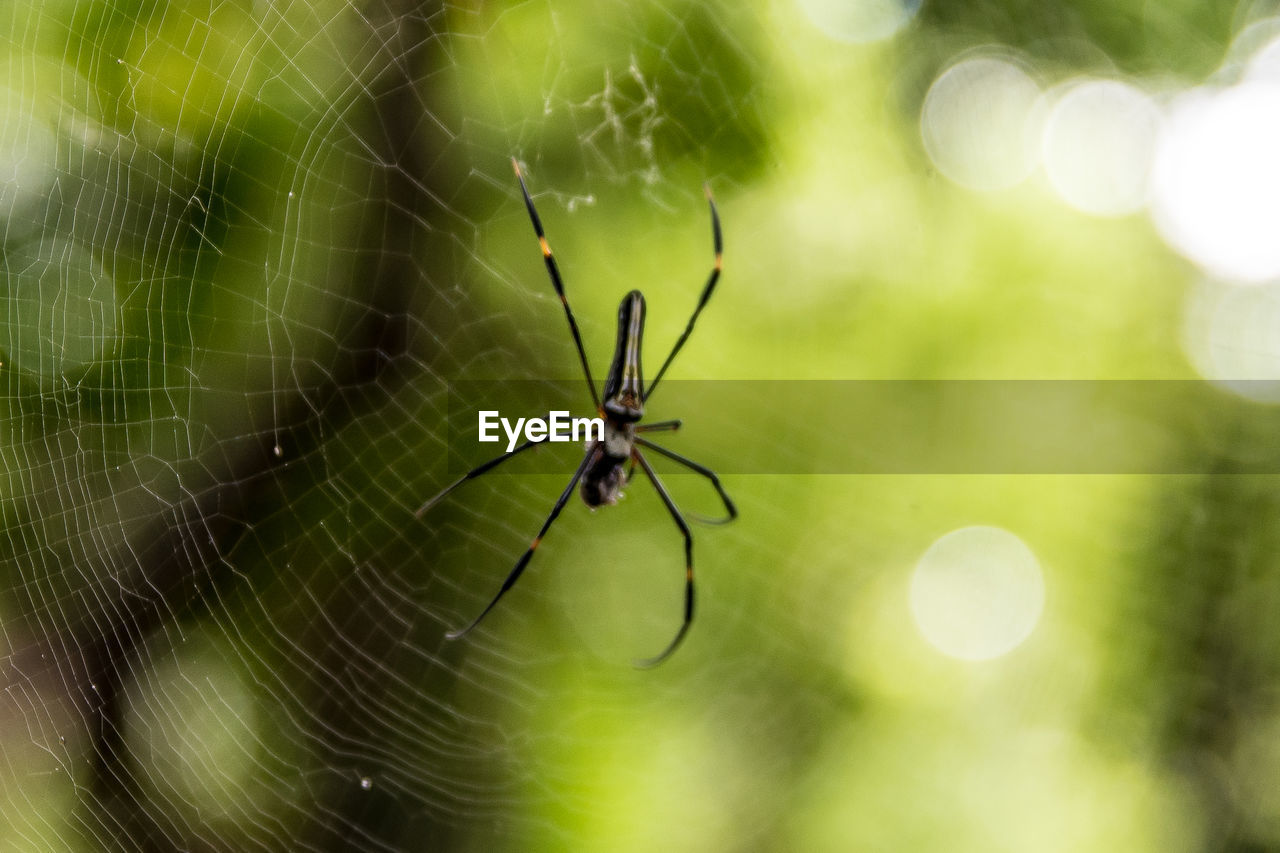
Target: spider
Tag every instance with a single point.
(621, 407)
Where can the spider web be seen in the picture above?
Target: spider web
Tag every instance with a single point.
(250, 247)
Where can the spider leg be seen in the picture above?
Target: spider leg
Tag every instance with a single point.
(704, 471)
(472, 474)
(656, 426)
(688, 563)
(702, 300)
(659, 426)
(558, 283)
(528, 554)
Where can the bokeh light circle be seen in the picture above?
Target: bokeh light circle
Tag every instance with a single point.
(1232, 338)
(858, 21)
(981, 123)
(977, 593)
(191, 725)
(1216, 181)
(1099, 139)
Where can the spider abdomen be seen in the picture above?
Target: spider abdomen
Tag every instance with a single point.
(602, 481)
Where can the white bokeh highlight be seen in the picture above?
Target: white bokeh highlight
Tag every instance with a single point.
(1216, 180)
(1232, 338)
(860, 21)
(981, 123)
(977, 593)
(1264, 65)
(1099, 139)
